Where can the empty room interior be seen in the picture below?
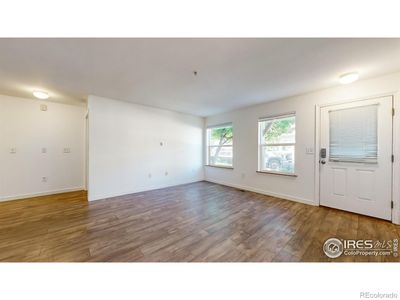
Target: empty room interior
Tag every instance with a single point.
(199, 149)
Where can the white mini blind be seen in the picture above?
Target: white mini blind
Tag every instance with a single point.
(353, 134)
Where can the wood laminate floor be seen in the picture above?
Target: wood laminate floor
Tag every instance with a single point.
(199, 222)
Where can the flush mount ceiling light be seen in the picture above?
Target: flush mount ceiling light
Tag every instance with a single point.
(40, 95)
(349, 78)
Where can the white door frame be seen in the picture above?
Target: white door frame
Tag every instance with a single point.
(395, 145)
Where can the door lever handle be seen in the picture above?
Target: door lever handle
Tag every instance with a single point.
(322, 162)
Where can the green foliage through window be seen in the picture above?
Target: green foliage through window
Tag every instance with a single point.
(220, 143)
(279, 130)
(221, 136)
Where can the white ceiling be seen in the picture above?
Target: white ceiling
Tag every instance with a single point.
(232, 73)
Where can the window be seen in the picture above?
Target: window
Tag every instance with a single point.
(277, 142)
(353, 134)
(220, 146)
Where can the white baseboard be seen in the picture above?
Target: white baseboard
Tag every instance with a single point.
(46, 193)
(396, 218)
(117, 194)
(268, 193)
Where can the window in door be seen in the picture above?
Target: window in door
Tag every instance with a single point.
(353, 134)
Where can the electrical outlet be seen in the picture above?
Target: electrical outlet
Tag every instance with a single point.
(67, 150)
(44, 150)
(44, 179)
(13, 150)
(43, 107)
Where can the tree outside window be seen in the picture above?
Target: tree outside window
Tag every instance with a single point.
(220, 146)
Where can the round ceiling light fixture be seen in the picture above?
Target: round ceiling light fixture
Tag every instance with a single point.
(41, 95)
(349, 78)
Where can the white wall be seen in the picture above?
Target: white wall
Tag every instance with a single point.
(246, 145)
(28, 129)
(124, 148)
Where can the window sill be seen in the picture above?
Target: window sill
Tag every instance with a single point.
(222, 167)
(277, 173)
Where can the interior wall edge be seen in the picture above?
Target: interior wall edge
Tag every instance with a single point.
(154, 148)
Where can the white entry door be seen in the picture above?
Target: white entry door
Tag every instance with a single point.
(356, 157)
